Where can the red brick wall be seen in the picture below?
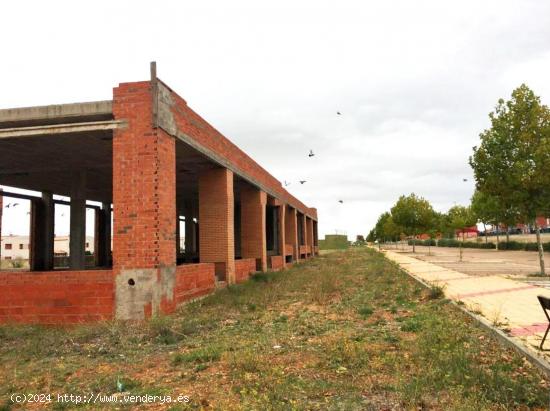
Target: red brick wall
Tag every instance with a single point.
(277, 262)
(281, 210)
(243, 269)
(216, 221)
(253, 237)
(309, 236)
(207, 136)
(291, 232)
(193, 280)
(144, 184)
(62, 297)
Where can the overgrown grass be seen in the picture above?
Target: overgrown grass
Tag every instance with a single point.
(348, 330)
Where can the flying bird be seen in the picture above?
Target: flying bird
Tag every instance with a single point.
(464, 179)
(302, 181)
(287, 183)
(15, 204)
(341, 201)
(311, 154)
(338, 113)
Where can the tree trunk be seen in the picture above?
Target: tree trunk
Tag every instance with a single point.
(485, 232)
(507, 234)
(541, 251)
(497, 239)
(414, 241)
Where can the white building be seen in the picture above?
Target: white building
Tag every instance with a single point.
(17, 246)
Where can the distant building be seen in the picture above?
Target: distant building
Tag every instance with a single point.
(17, 246)
(334, 242)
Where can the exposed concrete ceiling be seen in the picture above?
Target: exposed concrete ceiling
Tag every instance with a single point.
(42, 147)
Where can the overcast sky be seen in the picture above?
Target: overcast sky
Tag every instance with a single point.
(414, 81)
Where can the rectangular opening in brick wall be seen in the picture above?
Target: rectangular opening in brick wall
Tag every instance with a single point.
(60, 297)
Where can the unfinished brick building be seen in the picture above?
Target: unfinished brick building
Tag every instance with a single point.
(151, 162)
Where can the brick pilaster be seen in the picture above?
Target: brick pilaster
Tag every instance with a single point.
(309, 236)
(281, 209)
(291, 234)
(216, 221)
(253, 229)
(144, 192)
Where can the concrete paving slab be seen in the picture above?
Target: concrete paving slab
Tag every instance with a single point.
(507, 304)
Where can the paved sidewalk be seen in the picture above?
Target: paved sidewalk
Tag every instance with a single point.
(509, 305)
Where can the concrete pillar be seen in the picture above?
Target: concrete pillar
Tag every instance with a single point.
(102, 238)
(316, 236)
(190, 233)
(42, 233)
(178, 237)
(291, 233)
(144, 207)
(1, 210)
(281, 212)
(77, 239)
(253, 228)
(216, 219)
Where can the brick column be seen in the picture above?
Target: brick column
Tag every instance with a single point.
(281, 209)
(316, 236)
(144, 204)
(309, 228)
(304, 231)
(291, 232)
(253, 230)
(216, 220)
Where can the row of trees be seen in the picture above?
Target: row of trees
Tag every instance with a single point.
(413, 215)
(512, 163)
(512, 172)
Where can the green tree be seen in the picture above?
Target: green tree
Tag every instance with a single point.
(392, 230)
(485, 209)
(513, 159)
(461, 218)
(371, 236)
(379, 232)
(414, 214)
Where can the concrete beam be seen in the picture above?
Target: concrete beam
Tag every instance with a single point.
(55, 129)
(64, 112)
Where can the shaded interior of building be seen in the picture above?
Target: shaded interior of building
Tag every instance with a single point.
(68, 151)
